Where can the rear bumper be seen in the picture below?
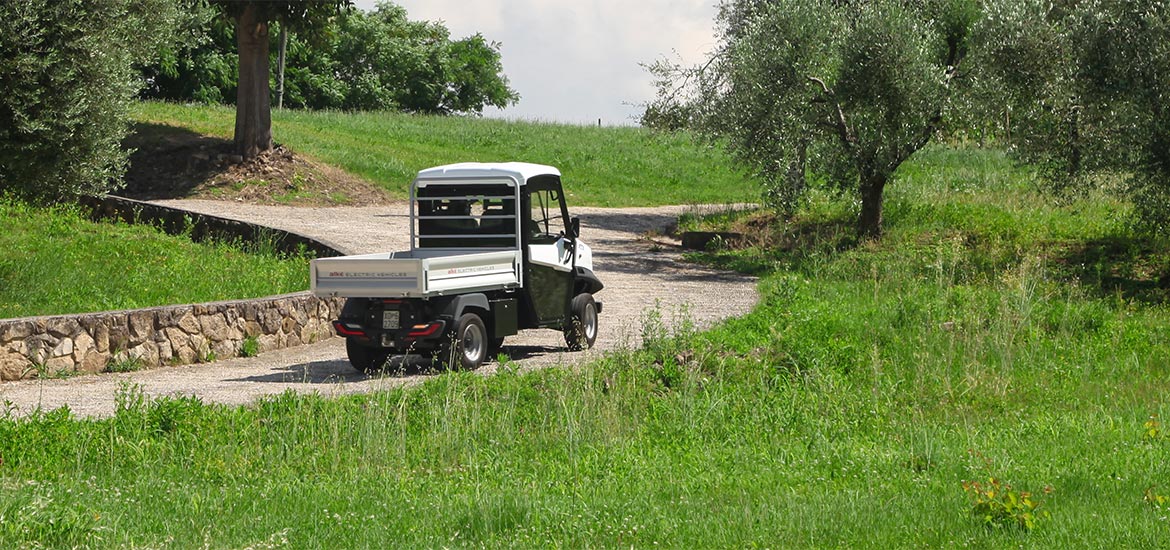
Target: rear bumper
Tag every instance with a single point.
(422, 336)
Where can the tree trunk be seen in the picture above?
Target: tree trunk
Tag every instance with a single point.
(1074, 143)
(280, 65)
(869, 224)
(796, 175)
(253, 106)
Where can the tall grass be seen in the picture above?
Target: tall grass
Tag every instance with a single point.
(620, 166)
(847, 410)
(56, 261)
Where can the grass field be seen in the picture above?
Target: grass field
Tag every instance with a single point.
(992, 337)
(611, 166)
(58, 263)
(55, 261)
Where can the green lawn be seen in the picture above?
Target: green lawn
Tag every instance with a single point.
(56, 261)
(992, 334)
(612, 166)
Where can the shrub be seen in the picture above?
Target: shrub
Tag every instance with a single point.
(996, 504)
(250, 347)
(68, 83)
(123, 362)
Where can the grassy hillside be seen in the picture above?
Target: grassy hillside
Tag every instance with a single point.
(55, 261)
(993, 337)
(59, 263)
(601, 166)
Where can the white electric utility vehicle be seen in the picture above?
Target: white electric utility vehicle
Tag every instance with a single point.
(493, 251)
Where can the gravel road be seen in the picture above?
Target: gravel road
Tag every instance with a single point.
(639, 274)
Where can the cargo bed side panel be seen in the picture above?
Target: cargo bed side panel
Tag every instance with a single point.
(468, 272)
(366, 276)
(387, 276)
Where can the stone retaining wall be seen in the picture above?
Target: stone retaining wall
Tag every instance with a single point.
(160, 336)
(169, 335)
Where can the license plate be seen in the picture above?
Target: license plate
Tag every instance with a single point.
(390, 319)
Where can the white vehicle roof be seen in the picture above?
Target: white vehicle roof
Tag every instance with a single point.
(520, 171)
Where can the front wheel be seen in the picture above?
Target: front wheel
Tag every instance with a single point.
(465, 347)
(582, 329)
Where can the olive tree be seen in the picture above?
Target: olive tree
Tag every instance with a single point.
(66, 83)
(1087, 85)
(848, 89)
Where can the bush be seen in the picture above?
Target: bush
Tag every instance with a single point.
(68, 82)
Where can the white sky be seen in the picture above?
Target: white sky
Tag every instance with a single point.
(577, 61)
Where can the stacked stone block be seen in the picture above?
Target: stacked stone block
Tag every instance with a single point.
(160, 336)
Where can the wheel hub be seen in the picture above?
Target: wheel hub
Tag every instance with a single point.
(473, 343)
(590, 321)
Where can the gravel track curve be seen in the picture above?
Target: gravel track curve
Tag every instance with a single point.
(640, 274)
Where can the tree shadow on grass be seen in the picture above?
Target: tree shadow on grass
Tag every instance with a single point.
(1133, 268)
(789, 247)
(170, 162)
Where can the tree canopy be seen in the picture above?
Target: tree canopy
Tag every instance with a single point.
(355, 61)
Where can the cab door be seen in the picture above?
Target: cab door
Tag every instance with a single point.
(549, 253)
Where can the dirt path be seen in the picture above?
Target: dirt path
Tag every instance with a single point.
(639, 275)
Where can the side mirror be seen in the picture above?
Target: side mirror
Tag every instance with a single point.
(574, 227)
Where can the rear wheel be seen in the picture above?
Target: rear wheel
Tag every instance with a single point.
(365, 358)
(466, 346)
(582, 329)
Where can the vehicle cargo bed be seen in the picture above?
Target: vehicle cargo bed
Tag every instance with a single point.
(418, 274)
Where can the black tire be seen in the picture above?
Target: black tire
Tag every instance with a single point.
(466, 345)
(582, 329)
(365, 358)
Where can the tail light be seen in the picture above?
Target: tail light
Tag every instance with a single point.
(426, 330)
(349, 329)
